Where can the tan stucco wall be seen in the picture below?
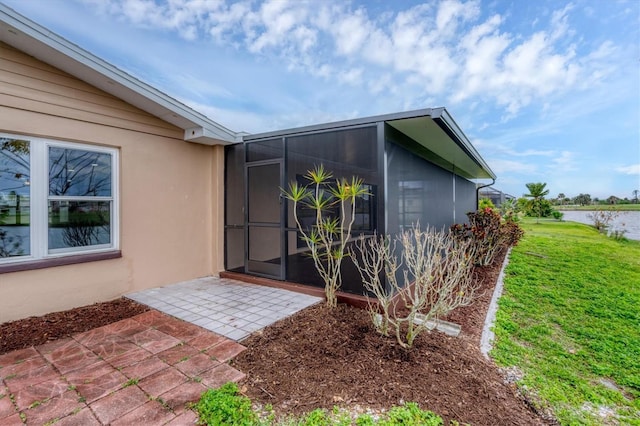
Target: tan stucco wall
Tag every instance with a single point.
(170, 200)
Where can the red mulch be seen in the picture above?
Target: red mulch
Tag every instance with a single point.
(34, 331)
(322, 358)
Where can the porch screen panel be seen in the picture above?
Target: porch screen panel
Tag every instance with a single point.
(234, 185)
(265, 150)
(345, 153)
(234, 208)
(234, 249)
(418, 191)
(465, 199)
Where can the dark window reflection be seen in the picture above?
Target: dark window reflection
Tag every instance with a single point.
(74, 172)
(79, 223)
(15, 200)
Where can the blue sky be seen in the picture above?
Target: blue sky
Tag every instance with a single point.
(547, 91)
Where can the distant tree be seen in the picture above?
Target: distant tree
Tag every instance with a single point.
(537, 192)
(522, 205)
(582, 199)
(635, 193)
(561, 198)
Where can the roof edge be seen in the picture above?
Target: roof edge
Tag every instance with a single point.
(47, 43)
(442, 117)
(362, 121)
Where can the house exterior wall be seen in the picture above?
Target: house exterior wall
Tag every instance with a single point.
(171, 193)
(466, 199)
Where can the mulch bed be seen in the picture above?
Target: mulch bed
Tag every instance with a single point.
(34, 331)
(323, 358)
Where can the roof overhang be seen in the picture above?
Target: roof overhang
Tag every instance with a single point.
(443, 142)
(439, 139)
(35, 40)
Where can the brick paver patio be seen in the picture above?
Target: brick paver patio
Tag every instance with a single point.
(141, 370)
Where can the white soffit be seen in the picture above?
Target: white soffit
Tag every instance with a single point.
(35, 40)
(431, 136)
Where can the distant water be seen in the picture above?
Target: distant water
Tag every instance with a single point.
(627, 221)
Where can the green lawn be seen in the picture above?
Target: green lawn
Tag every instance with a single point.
(570, 319)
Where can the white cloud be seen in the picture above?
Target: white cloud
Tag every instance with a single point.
(633, 169)
(350, 31)
(444, 49)
(352, 76)
(563, 162)
(503, 166)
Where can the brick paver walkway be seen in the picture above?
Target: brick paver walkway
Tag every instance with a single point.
(142, 370)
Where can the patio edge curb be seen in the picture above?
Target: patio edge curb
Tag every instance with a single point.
(488, 336)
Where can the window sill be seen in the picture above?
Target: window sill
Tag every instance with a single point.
(59, 261)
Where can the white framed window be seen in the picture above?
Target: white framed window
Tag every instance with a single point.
(56, 199)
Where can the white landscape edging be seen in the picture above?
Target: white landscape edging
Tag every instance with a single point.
(446, 327)
(486, 340)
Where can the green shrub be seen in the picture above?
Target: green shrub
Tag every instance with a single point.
(557, 215)
(510, 210)
(538, 208)
(225, 406)
(485, 203)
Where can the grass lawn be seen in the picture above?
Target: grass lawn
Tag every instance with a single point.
(619, 207)
(569, 318)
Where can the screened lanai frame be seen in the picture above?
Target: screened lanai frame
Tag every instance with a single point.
(424, 154)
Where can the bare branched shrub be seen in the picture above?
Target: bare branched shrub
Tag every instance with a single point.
(602, 219)
(435, 271)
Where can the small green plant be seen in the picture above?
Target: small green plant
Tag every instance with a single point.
(131, 382)
(486, 203)
(411, 414)
(226, 406)
(557, 215)
(510, 211)
(408, 414)
(327, 238)
(37, 403)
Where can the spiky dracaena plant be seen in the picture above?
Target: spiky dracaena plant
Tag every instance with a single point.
(328, 237)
